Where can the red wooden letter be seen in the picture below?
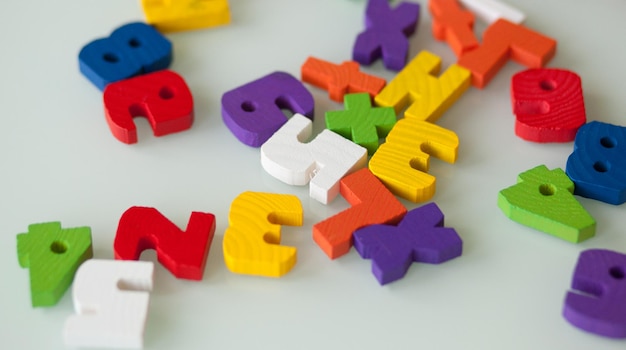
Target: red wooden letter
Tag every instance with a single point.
(504, 40)
(184, 254)
(162, 97)
(340, 79)
(548, 104)
(372, 203)
(454, 25)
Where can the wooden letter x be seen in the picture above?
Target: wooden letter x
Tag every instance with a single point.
(360, 122)
(420, 237)
(386, 33)
(339, 80)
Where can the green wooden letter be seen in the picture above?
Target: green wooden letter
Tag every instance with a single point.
(360, 122)
(543, 199)
(52, 255)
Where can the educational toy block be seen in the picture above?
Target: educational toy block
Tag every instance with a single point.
(341, 79)
(548, 105)
(253, 112)
(503, 40)
(426, 96)
(386, 33)
(111, 299)
(162, 97)
(321, 162)
(183, 253)
(52, 254)
(132, 49)
(453, 24)
(178, 15)
(402, 162)
(598, 163)
(371, 204)
(543, 199)
(252, 240)
(361, 123)
(597, 303)
(492, 10)
(419, 237)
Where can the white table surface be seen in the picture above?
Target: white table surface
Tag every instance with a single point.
(61, 163)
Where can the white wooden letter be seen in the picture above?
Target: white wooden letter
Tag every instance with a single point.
(492, 10)
(322, 162)
(111, 300)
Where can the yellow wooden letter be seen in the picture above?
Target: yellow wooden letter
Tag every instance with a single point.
(402, 161)
(252, 240)
(427, 95)
(178, 15)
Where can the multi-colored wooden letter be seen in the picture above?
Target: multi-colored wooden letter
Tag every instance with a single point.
(503, 40)
(426, 96)
(341, 79)
(361, 123)
(453, 24)
(161, 97)
(132, 49)
(402, 162)
(548, 105)
(492, 10)
(321, 162)
(597, 303)
(177, 15)
(386, 33)
(252, 240)
(52, 255)
(543, 199)
(371, 204)
(183, 253)
(253, 112)
(111, 299)
(598, 164)
(420, 237)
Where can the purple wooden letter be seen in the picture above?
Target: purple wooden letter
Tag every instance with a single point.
(253, 112)
(386, 34)
(420, 237)
(598, 302)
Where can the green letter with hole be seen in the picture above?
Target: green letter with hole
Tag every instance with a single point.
(543, 199)
(52, 255)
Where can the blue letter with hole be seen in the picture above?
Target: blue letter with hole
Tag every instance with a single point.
(598, 164)
(132, 49)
